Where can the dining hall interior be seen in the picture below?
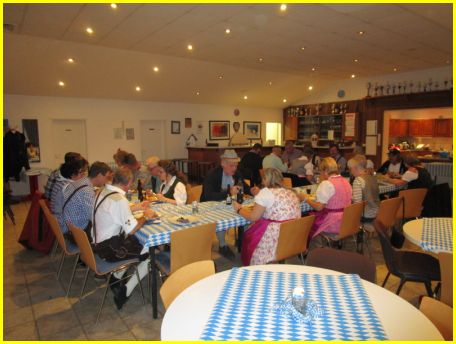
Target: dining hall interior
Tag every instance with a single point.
(244, 171)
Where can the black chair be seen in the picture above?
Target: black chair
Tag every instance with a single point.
(7, 206)
(408, 265)
(343, 261)
(437, 202)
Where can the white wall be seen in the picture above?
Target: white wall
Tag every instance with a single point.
(357, 88)
(102, 116)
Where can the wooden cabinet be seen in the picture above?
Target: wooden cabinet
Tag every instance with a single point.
(421, 127)
(398, 127)
(290, 130)
(443, 127)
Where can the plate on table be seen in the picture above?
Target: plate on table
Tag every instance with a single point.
(138, 214)
(183, 219)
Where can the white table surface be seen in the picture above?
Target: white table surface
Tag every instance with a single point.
(186, 317)
(413, 230)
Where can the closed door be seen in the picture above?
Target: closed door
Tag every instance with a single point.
(68, 136)
(152, 139)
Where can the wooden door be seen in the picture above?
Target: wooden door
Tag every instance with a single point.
(290, 128)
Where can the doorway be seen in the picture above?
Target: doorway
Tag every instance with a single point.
(273, 134)
(152, 139)
(68, 135)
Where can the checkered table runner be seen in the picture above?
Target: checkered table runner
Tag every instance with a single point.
(244, 309)
(209, 212)
(437, 234)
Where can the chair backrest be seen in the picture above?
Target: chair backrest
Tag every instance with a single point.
(388, 210)
(287, 183)
(343, 261)
(194, 193)
(389, 253)
(293, 237)
(413, 201)
(446, 273)
(86, 252)
(191, 245)
(440, 314)
(55, 226)
(183, 278)
(351, 219)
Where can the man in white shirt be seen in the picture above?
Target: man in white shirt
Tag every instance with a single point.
(273, 160)
(113, 216)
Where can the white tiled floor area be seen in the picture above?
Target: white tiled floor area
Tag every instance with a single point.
(35, 306)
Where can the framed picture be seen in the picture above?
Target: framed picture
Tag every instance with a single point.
(32, 140)
(219, 130)
(252, 130)
(175, 127)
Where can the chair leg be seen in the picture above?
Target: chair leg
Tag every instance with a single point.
(386, 279)
(85, 281)
(72, 274)
(54, 248)
(437, 289)
(428, 286)
(61, 264)
(104, 298)
(301, 256)
(401, 284)
(140, 286)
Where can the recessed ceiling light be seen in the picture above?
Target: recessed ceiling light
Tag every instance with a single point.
(197, 93)
(303, 48)
(138, 89)
(227, 31)
(361, 33)
(114, 6)
(156, 69)
(353, 76)
(310, 88)
(283, 7)
(61, 83)
(314, 69)
(284, 100)
(220, 77)
(245, 97)
(89, 30)
(355, 60)
(270, 83)
(190, 47)
(394, 69)
(260, 59)
(70, 60)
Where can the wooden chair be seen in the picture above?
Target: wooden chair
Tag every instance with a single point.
(412, 203)
(440, 314)
(194, 193)
(287, 183)
(68, 248)
(351, 223)
(293, 237)
(183, 278)
(446, 272)
(100, 266)
(188, 245)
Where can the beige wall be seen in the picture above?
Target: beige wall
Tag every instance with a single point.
(102, 116)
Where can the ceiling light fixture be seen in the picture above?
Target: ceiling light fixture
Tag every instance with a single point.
(89, 30)
(190, 47)
(314, 69)
(70, 60)
(61, 83)
(394, 69)
(156, 69)
(361, 33)
(245, 97)
(197, 93)
(353, 76)
(138, 89)
(303, 48)
(227, 31)
(283, 7)
(270, 83)
(260, 59)
(284, 100)
(220, 77)
(310, 88)
(356, 60)
(114, 6)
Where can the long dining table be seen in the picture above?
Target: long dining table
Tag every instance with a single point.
(155, 233)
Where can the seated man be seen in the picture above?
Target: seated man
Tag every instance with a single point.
(219, 182)
(416, 176)
(290, 152)
(56, 176)
(334, 153)
(394, 167)
(273, 160)
(251, 164)
(113, 217)
(154, 170)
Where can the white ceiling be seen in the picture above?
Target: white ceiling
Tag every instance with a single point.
(129, 41)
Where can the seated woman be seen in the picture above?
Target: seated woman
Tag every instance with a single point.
(333, 194)
(173, 188)
(273, 204)
(415, 177)
(365, 187)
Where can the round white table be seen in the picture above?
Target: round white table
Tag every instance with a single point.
(413, 231)
(187, 316)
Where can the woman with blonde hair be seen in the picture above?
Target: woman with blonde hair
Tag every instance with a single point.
(273, 204)
(333, 194)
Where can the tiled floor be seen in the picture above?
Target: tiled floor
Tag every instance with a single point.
(35, 306)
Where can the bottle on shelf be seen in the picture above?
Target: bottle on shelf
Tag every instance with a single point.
(240, 194)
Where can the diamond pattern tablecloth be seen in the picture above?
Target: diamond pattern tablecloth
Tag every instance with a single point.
(437, 234)
(244, 309)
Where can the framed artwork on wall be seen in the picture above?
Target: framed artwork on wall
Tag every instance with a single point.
(252, 130)
(219, 130)
(175, 127)
(32, 140)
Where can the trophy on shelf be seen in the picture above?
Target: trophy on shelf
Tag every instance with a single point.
(369, 86)
(430, 84)
(411, 86)
(381, 90)
(445, 83)
(333, 109)
(388, 87)
(393, 86)
(375, 89)
(317, 109)
(405, 87)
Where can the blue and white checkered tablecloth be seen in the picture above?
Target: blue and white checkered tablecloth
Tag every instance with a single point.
(441, 172)
(244, 309)
(437, 234)
(209, 212)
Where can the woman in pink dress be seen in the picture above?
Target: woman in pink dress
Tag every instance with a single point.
(273, 205)
(333, 194)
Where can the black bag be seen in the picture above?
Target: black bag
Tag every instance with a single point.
(397, 238)
(119, 248)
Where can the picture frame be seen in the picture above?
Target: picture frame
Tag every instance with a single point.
(175, 127)
(32, 140)
(219, 130)
(252, 130)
